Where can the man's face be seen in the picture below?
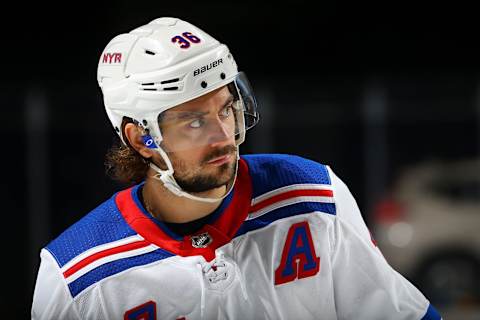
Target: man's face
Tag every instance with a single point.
(199, 138)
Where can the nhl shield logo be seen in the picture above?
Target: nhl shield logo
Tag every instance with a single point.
(202, 240)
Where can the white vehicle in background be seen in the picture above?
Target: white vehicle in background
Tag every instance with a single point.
(429, 230)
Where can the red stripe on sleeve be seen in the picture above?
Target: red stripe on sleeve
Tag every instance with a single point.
(107, 252)
(291, 194)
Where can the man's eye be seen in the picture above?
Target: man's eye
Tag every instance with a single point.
(196, 123)
(225, 112)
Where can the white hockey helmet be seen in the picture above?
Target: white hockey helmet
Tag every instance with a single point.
(160, 65)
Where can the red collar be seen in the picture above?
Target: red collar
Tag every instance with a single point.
(222, 230)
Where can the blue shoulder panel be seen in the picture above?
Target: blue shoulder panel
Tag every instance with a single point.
(273, 171)
(102, 225)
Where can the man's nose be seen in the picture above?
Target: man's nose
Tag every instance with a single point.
(219, 133)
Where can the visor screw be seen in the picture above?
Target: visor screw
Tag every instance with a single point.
(222, 75)
(203, 84)
(116, 129)
(144, 122)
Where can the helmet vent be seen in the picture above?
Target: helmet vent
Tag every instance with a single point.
(150, 52)
(169, 81)
(175, 84)
(149, 84)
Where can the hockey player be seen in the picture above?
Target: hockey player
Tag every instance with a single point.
(205, 233)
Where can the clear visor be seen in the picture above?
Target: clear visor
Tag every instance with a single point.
(218, 118)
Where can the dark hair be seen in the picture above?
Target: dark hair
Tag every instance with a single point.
(123, 163)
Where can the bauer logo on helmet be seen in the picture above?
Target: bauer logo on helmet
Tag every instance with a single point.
(209, 66)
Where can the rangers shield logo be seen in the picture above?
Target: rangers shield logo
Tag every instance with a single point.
(202, 240)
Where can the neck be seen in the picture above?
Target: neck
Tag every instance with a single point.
(166, 206)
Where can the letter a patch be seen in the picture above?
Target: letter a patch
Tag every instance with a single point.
(299, 259)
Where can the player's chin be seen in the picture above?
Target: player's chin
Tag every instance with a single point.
(225, 172)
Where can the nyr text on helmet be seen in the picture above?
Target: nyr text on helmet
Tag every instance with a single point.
(113, 57)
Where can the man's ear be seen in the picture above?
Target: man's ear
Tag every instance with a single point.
(133, 134)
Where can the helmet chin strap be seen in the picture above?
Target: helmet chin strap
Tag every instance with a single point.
(166, 177)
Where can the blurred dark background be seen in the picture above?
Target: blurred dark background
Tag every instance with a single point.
(370, 89)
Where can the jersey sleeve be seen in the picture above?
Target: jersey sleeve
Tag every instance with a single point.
(365, 285)
(51, 298)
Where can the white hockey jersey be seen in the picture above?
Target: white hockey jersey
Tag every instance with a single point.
(288, 242)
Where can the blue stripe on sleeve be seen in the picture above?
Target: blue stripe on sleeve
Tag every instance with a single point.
(114, 267)
(286, 212)
(432, 314)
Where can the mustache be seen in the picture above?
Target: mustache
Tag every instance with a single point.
(220, 153)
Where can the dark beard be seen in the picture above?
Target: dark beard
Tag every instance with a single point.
(202, 183)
